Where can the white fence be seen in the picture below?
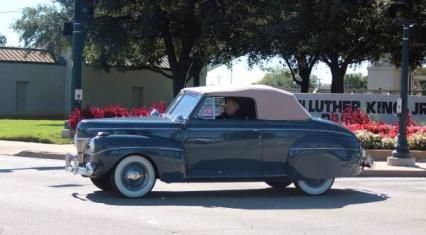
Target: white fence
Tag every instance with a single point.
(378, 107)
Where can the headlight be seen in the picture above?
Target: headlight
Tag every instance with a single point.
(92, 145)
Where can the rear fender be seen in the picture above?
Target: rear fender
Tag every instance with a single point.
(324, 156)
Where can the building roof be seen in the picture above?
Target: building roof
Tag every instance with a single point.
(271, 103)
(27, 55)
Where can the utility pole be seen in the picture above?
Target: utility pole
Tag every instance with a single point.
(77, 50)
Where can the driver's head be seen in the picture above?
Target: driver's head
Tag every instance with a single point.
(231, 106)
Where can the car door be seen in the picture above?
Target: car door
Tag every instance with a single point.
(222, 148)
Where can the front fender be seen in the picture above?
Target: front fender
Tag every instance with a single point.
(322, 156)
(167, 155)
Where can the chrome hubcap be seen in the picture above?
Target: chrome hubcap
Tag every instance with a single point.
(134, 176)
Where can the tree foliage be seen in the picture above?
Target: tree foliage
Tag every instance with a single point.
(188, 33)
(3, 40)
(282, 78)
(350, 32)
(283, 36)
(417, 55)
(42, 26)
(355, 81)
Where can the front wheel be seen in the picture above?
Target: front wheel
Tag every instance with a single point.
(134, 176)
(314, 187)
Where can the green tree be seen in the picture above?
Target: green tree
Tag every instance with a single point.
(188, 33)
(282, 36)
(350, 32)
(3, 40)
(394, 47)
(282, 78)
(355, 81)
(143, 34)
(42, 26)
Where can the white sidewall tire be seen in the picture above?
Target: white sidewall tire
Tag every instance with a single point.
(150, 180)
(308, 189)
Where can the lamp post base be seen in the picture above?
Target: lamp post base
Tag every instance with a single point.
(395, 161)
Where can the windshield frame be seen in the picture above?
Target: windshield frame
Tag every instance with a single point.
(177, 101)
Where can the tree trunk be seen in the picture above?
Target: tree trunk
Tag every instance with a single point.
(195, 73)
(178, 82)
(197, 79)
(305, 75)
(338, 75)
(304, 88)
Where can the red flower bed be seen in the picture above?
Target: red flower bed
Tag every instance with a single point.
(356, 120)
(90, 112)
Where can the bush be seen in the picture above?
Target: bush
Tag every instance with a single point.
(388, 143)
(368, 139)
(380, 135)
(417, 141)
(110, 111)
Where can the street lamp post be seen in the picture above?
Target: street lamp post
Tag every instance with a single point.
(77, 50)
(401, 154)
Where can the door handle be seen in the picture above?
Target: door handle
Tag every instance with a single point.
(205, 140)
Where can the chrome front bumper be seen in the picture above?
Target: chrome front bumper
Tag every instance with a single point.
(72, 165)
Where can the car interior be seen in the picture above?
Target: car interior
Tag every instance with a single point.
(247, 108)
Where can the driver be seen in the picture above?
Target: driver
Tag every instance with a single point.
(232, 110)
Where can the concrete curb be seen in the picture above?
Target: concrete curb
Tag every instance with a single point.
(382, 154)
(392, 173)
(383, 170)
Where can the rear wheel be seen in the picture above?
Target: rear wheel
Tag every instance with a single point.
(314, 186)
(103, 182)
(281, 184)
(134, 176)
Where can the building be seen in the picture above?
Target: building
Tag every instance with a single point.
(384, 77)
(34, 85)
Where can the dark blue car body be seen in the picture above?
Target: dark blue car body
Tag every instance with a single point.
(225, 150)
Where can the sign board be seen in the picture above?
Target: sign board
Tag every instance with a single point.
(399, 105)
(378, 107)
(78, 94)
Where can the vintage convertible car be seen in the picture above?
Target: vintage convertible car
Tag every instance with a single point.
(273, 139)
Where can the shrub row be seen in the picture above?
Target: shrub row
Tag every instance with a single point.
(380, 135)
(373, 135)
(110, 111)
(369, 140)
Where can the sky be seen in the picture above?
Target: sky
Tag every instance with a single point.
(240, 73)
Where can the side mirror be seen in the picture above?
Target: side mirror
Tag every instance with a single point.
(154, 113)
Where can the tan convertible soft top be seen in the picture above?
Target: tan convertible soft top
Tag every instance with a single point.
(271, 103)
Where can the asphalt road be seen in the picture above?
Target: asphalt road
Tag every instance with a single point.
(38, 197)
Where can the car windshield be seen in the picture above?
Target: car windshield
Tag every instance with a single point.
(183, 105)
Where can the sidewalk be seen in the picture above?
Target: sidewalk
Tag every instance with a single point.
(54, 151)
(381, 169)
(35, 150)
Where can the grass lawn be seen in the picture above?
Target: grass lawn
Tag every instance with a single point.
(40, 131)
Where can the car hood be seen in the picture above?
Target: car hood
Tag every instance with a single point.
(90, 127)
